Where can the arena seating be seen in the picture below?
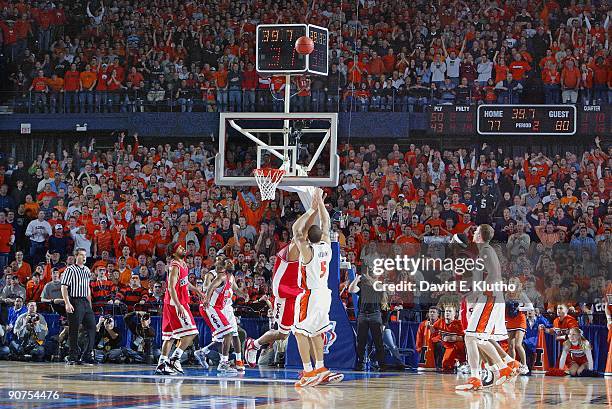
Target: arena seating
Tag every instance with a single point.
(136, 56)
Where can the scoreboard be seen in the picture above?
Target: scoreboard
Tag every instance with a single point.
(275, 51)
(526, 119)
(500, 120)
(451, 119)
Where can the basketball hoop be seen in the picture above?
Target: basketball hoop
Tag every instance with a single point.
(267, 179)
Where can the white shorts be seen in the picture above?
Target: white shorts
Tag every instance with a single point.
(487, 320)
(312, 312)
(220, 321)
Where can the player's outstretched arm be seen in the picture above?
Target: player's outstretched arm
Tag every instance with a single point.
(323, 215)
(301, 226)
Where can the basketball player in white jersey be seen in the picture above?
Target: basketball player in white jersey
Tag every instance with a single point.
(218, 312)
(313, 304)
(486, 323)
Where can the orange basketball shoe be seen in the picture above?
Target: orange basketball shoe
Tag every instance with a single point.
(308, 378)
(515, 366)
(504, 375)
(239, 366)
(331, 378)
(473, 384)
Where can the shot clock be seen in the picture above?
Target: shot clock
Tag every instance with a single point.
(276, 54)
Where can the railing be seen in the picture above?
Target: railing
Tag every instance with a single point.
(255, 101)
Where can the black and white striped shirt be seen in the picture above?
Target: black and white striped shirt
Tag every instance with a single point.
(77, 280)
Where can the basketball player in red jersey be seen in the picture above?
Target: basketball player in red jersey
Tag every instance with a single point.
(312, 314)
(284, 290)
(177, 322)
(218, 312)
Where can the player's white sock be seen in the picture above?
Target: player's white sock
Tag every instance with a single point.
(319, 364)
(224, 358)
(307, 366)
(178, 352)
(475, 373)
(162, 358)
(257, 344)
(238, 356)
(508, 359)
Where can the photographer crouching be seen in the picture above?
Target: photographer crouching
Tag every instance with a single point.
(29, 335)
(108, 341)
(142, 348)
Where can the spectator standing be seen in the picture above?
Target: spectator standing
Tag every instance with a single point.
(249, 86)
(234, 81)
(570, 82)
(7, 239)
(40, 90)
(72, 85)
(38, 231)
(453, 63)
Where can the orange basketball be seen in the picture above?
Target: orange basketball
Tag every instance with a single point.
(304, 45)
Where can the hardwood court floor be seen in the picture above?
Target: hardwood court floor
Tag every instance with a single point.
(126, 386)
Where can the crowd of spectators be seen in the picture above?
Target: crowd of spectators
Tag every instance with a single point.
(137, 55)
(124, 206)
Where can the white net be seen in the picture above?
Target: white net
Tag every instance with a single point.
(268, 179)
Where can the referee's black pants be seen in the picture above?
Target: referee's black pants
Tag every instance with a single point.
(83, 314)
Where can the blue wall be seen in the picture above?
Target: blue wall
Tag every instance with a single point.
(359, 125)
(254, 327)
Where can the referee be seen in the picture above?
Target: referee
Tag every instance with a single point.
(77, 298)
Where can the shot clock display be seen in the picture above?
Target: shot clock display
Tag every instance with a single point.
(275, 52)
(317, 60)
(276, 48)
(526, 119)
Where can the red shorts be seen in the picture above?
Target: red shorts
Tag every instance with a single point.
(174, 327)
(284, 313)
(221, 321)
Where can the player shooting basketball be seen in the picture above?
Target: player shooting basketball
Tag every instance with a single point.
(486, 323)
(177, 322)
(312, 314)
